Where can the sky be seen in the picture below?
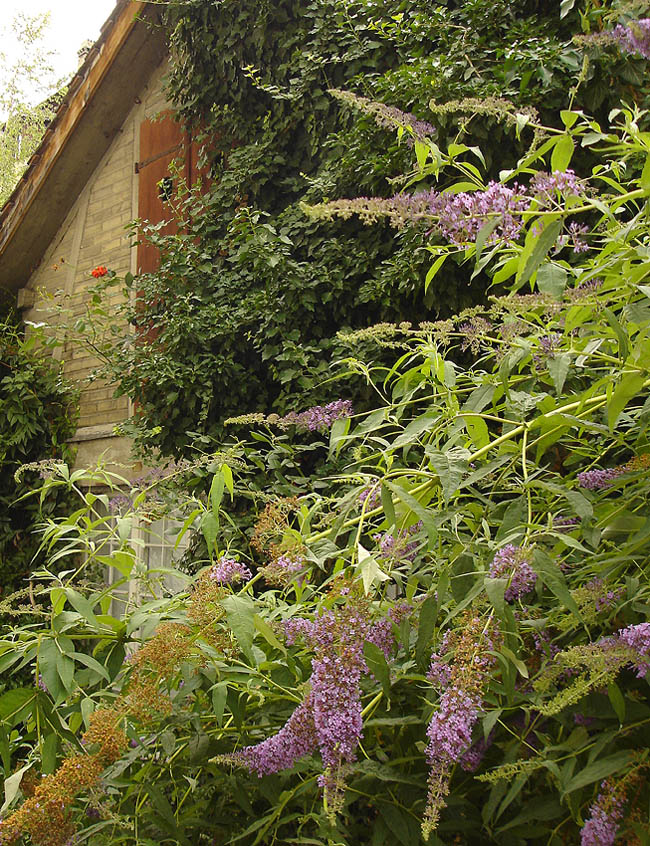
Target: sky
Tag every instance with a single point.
(71, 23)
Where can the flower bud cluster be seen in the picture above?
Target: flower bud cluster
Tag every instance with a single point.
(512, 563)
(634, 38)
(45, 814)
(596, 480)
(398, 547)
(227, 571)
(460, 668)
(320, 418)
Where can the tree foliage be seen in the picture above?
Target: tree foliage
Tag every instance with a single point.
(29, 97)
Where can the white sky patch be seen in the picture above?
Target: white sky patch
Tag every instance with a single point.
(71, 23)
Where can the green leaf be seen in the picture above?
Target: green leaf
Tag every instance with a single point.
(387, 505)
(552, 279)
(477, 430)
(644, 181)
(57, 599)
(433, 270)
(16, 704)
(369, 570)
(562, 153)
(12, 786)
(515, 517)
(495, 589)
(417, 508)
(569, 117)
(240, 613)
(82, 606)
(403, 827)
(617, 700)
(267, 633)
(599, 770)
(536, 248)
(376, 661)
(48, 753)
(216, 493)
(92, 664)
(553, 578)
(210, 529)
(565, 7)
(219, 695)
(558, 368)
(510, 655)
(629, 387)
(450, 466)
(228, 479)
(426, 626)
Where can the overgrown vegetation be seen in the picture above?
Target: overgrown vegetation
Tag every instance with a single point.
(37, 415)
(250, 296)
(446, 639)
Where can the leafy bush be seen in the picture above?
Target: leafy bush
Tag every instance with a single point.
(37, 414)
(451, 638)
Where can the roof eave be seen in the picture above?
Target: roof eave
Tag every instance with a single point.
(99, 99)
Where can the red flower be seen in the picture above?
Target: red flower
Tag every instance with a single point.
(99, 271)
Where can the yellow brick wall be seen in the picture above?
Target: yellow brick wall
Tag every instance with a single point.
(94, 233)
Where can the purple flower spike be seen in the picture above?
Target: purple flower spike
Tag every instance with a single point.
(605, 818)
(596, 480)
(635, 37)
(637, 638)
(511, 563)
(227, 571)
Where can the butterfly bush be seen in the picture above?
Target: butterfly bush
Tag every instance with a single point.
(461, 669)
(402, 682)
(459, 217)
(329, 719)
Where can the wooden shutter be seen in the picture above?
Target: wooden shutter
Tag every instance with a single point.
(162, 141)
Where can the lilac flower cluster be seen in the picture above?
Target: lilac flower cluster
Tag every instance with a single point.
(603, 598)
(460, 217)
(319, 418)
(283, 569)
(460, 668)
(634, 38)
(511, 562)
(227, 571)
(561, 522)
(585, 289)
(596, 480)
(373, 497)
(605, 818)
(295, 739)
(637, 639)
(398, 547)
(548, 187)
(473, 331)
(450, 729)
(329, 719)
(472, 759)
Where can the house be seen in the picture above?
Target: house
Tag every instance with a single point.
(98, 168)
